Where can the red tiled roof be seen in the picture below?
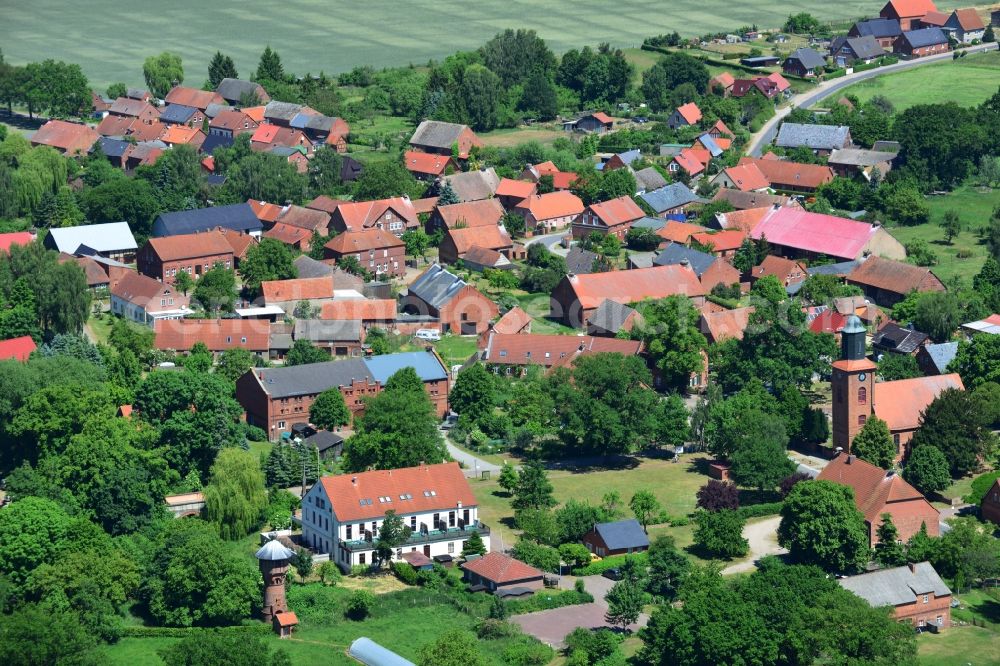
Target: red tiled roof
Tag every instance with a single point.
(238, 242)
(286, 619)
(187, 246)
(744, 220)
(493, 238)
(216, 334)
(126, 106)
(426, 163)
(355, 497)
(515, 188)
(288, 234)
(602, 117)
(513, 321)
(780, 173)
(693, 160)
(747, 177)
(18, 349)
(911, 8)
(116, 125)
(256, 113)
(725, 323)
(501, 569)
(720, 126)
(781, 268)
(360, 214)
(969, 19)
(561, 180)
(326, 204)
(679, 232)
(635, 285)
(935, 18)
(363, 241)
(199, 99)
(278, 291)
(233, 121)
(425, 205)
(141, 290)
(265, 212)
(479, 213)
(894, 276)
(725, 79)
(65, 136)
(721, 241)
(812, 232)
(780, 81)
(723, 142)
(14, 238)
(690, 113)
(148, 131)
(363, 309)
(617, 211)
(551, 205)
(828, 321)
(873, 487)
(265, 133)
(900, 403)
(305, 218)
(548, 350)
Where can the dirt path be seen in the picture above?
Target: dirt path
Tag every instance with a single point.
(763, 538)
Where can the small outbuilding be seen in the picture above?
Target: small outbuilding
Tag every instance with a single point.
(502, 575)
(621, 537)
(284, 623)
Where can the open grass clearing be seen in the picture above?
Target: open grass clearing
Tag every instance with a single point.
(544, 134)
(312, 36)
(958, 646)
(967, 81)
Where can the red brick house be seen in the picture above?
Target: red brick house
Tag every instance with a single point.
(478, 213)
(460, 307)
(180, 335)
(990, 507)
(395, 215)
(787, 271)
(440, 138)
(232, 124)
(378, 251)
(458, 241)
(908, 12)
(613, 217)
(878, 492)
(886, 282)
(915, 592)
(502, 575)
(551, 211)
(163, 257)
(513, 353)
(921, 43)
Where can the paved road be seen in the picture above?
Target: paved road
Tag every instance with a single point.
(473, 466)
(551, 241)
(766, 134)
(763, 538)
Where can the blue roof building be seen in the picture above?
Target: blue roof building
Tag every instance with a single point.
(427, 366)
(237, 217)
(617, 538)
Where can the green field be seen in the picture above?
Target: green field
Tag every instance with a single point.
(967, 82)
(110, 40)
(959, 646)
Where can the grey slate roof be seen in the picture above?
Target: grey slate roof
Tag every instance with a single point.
(232, 90)
(816, 137)
(630, 156)
(893, 337)
(580, 261)
(859, 157)
(212, 110)
(654, 223)
(894, 587)
(308, 267)
(675, 253)
(282, 110)
(863, 47)
(887, 146)
(328, 330)
(312, 377)
(622, 534)
(238, 217)
(649, 179)
(925, 37)
(215, 141)
(879, 27)
(426, 365)
(941, 355)
(107, 237)
(436, 134)
(177, 113)
(842, 268)
(112, 147)
(809, 58)
(609, 316)
(669, 197)
(474, 185)
(311, 121)
(436, 286)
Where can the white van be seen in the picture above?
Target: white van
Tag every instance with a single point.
(427, 334)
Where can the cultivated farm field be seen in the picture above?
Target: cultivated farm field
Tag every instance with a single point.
(111, 39)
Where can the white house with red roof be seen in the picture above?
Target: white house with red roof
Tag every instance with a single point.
(341, 515)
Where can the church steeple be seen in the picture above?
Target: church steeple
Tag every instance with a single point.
(852, 339)
(853, 384)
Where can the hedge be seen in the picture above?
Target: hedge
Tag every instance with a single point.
(544, 600)
(140, 631)
(611, 562)
(980, 486)
(759, 510)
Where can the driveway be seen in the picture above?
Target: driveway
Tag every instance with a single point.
(552, 626)
(551, 241)
(472, 466)
(763, 538)
(765, 135)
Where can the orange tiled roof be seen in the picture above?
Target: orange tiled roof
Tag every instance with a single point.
(233, 121)
(278, 291)
(693, 160)
(912, 8)
(492, 238)
(551, 205)
(744, 220)
(781, 173)
(747, 177)
(781, 268)
(361, 214)
(874, 488)
(426, 163)
(68, 137)
(265, 212)
(325, 204)
(679, 232)
(479, 213)
(513, 321)
(286, 619)
(726, 323)
(363, 309)
(725, 79)
(690, 113)
(420, 489)
(148, 131)
(617, 211)
(602, 117)
(635, 285)
(199, 99)
(181, 134)
(721, 241)
(502, 569)
(256, 113)
(515, 188)
(901, 402)
(363, 241)
(239, 242)
(288, 234)
(934, 19)
(549, 350)
(114, 125)
(720, 126)
(216, 334)
(187, 246)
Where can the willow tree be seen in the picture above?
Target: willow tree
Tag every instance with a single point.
(235, 497)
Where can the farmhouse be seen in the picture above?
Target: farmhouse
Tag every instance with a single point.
(933, 359)
(743, 177)
(561, 180)
(965, 25)
(648, 179)
(672, 199)
(915, 592)
(848, 162)
(440, 138)
(218, 335)
(513, 354)
(895, 339)
(459, 306)
(193, 97)
(790, 176)
(473, 185)
(162, 258)
(787, 272)
(370, 312)
(112, 240)
(458, 241)
(795, 233)
(847, 51)
(66, 137)
(886, 282)
(821, 139)
(990, 507)
(611, 318)
(613, 217)
(377, 251)
(428, 166)
(512, 192)
(551, 211)
(395, 215)
(884, 31)
(908, 12)
(144, 300)
(684, 116)
(238, 91)
(718, 326)
(920, 43)
(341, 514)
(341, 337)
(692, 161)
(480, 213)
(711, 270)
(236, 217)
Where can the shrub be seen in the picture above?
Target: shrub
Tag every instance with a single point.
(579, 585)
(545, 600)
(490, 629)
(405, 572)
(612, 562)
(980, 486)
(329, 573)
(316, 602)
(255, 434)
(360, 604)
(679, 521)
(759, 510)
(527, 652)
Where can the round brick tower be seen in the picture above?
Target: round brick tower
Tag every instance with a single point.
(274, 559)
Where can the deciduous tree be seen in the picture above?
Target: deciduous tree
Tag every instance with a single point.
(720, 533)
(624, 601)
(163, 72)
(821, 525)
(270, 259)
(235, 497)
(952, 424)
(873, 444)
(329, 411)
(645, 507)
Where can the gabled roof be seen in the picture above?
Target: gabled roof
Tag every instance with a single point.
(968, 19)
(742, 220)
(925, 37)
(675, 253)
(281, 291)
(635, 285)
(649, 179)
(125, 106)
(238, 217)
(896, 587)
(743, 200)
(815, 137)
(436, 286)
(780, 267)
(18, 349)
(622, 534)
(549, 350)
(900, 403)
(363, 241)
(678, 232)
(501, 569)
(186, 246)
(485, 257)
(216, 334)
(282, 110)
(580, 261)
(177, 113)
(747, 177)
(561, 203)
(422, 489)
(516, 189)
(720, 241)
(833, 236)
(710, 144)
(781, 173)
(878, 28)
(437, 134)
(669, 197)
(361, 309)
(724, 79)
(614, 212)
(306, 218)
(65, 136)
(182, 134)
(873, 487)
(863, 47)
(910, 8)
(139, 289)
(491, 237)
(895, 276)
(934, 18)
(941, 355)
(896, 338)
(827, 320)
(364, 214)
(239, 242)
(233, 121)
(472, 185)
(809, 58)
(328, 330)
(718, 326)
(307, 267)
(326, 204)
(689, 112)
(430, 164)
(859, 157)
(288, 234)
(198, 99)
(479, 213)
(107, 237)
(610, 316)
(513, 321)
(232, 90)
(14, 238)
(312, 378)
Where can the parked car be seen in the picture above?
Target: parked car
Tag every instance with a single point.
(427, 334)
(612, 574)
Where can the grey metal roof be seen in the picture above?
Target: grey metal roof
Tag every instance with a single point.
(328, 330)
(324, 440)
(669, 197)
(622, 534)
(809, 58)
(859, 157)
(816, 137)
(426, 365)
(925, 37)
(212, 110)
(232, 90)
(370, 653)
(610, 316)
(894, 587)
(280, 341)
(282, 110)
(654, 223)
(312, 121)
(630, 156)
(274, 550)
(864, 47)
(649, 179)
(842, 268)
(436, 134)
(313, 377)
(177, 113)
(879, 27)
(436, 286)
(893, 337)
(942, 354)
(107, 237)
(675, 253)
(580, 261)
(112, 147)
(709, 142)
(308, 267)
(238, 217)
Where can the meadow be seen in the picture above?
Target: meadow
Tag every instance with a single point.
(968, 82)
(111, 39)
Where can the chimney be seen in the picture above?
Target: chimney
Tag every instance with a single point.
(912, 566)
(459, 504)
(891, 473)
(850, 459)
(354, 480)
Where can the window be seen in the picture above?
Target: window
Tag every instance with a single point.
(861, 419)
(361, 558)
(926, 598)
(451, 547)
(940, 621)
(281, 425)
(862, 395)
(413, 523)
(451, 519)
(350, 532)
(895, 440)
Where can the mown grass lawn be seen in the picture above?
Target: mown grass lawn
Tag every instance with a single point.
(967, 81)
(959, 646)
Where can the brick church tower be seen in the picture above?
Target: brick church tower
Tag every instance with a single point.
(274, 559)
(853, 385)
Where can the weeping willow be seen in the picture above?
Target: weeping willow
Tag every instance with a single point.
(235, 497)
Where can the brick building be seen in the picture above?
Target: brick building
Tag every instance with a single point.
(915, 592)
(162, 258)
(459, 306)
(377, 251)
(613, 217)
